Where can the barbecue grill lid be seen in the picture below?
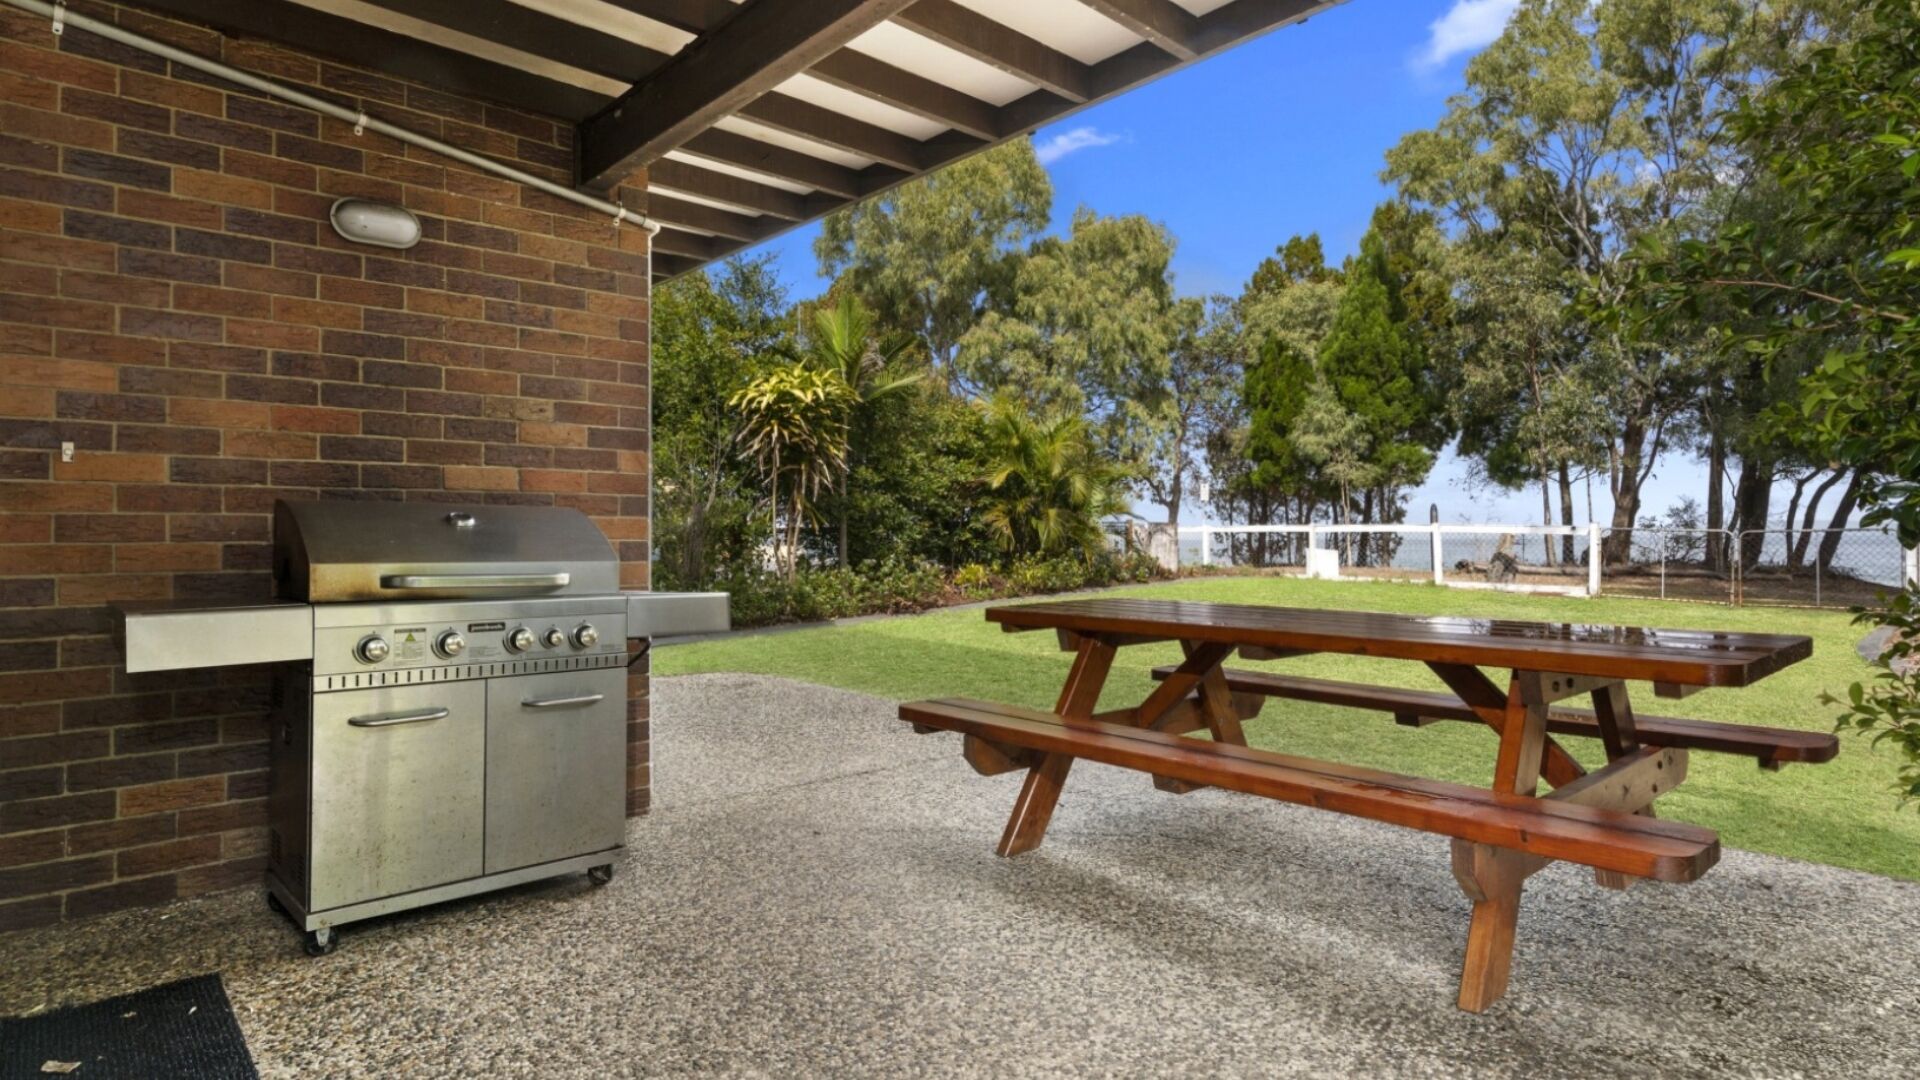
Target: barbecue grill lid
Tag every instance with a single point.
(328, 552)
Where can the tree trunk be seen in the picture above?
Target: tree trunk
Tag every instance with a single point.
(1546, 515)
(1830, 543)
(1627, 478)
(1716, 503)
(1799, 556)
(1752, 497)
(1566, 513)
(845, 554)
(1793, 514)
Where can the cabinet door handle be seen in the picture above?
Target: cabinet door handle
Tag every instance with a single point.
(390, 719)
(562, 702)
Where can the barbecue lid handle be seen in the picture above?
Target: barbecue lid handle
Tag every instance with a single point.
(554, 580)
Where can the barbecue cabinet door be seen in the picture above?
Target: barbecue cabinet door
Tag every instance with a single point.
(398, 792)
(556, 766)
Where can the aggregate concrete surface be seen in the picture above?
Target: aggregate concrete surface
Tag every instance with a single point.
(815, 894)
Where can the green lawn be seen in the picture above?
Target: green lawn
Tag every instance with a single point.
(1841, 813)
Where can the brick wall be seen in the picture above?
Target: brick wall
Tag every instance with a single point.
(173, 303)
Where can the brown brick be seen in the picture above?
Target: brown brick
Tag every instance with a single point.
(125, 832)
(222, 817)
(113, 589)
(27, 914)
(165, 557)
(171, 795)
(115, 169)
(108, 528)
(62, 374)
(157, 147)
(167, 855)
(193, 268)
(57, 558)
(142, 322)
(114, 108)
(218, 245)
(50, 813)
(30, 783)
(222, 189)
(267, 388)
(34, 847)
(139, 892)
(270, 444)
(54, 876)
(135, 203)
(119, 772)
(86, 225)
(131, 468)
(481, 478)
(166, 439)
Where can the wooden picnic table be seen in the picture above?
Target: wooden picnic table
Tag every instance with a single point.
(1500, 834)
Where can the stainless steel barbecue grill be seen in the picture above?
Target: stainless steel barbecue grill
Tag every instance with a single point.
(449, 702)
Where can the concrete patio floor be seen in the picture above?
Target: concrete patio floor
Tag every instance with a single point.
(816, 894)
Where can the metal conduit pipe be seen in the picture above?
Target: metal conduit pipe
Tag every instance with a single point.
(61, 18)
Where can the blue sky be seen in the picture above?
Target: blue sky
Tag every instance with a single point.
(1282, 135)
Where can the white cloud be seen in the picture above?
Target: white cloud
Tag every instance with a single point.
(1067, 142)
(1467, 26)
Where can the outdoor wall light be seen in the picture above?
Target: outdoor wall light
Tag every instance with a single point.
(366, 222)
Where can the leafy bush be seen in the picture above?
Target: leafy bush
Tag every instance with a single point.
(900, 586)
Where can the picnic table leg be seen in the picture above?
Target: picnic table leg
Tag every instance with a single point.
(1615, 714)
(1214, 706)
(1492, 877)
(1033, 810)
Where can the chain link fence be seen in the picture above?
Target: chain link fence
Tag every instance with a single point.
(1787, 567)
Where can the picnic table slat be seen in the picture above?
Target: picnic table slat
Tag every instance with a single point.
(1674, 657)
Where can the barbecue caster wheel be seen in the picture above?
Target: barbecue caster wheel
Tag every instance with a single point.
(601, 874)
(322, 941)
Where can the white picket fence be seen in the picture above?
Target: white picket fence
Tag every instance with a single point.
(1567, 560)
(1435, 536)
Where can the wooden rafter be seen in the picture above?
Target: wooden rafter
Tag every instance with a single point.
(1163, 22)
(972, 33)
(719, 73)
(383, 50)
(735, 191)
(540, 34)
(740, 228)
(742, 152)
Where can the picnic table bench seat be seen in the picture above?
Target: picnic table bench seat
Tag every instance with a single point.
(1771, 747)
(1546, 827)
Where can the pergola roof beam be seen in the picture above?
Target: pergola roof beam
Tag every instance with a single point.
(722, 223)
(1162, 22)
(969, 32)
(741, 151)
(715, 76)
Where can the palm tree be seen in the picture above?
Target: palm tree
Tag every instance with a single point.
(842, 341)
(795, 424)
(1047, 488)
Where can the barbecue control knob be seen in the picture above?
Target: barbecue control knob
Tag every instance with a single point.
(521, 639)
(450, 644)
(553, 638)
(585, 635)
(372, 649)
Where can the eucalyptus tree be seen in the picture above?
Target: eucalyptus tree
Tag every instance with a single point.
(1587, 127)
(934, 254)
(1091, 329)
(1205, 366)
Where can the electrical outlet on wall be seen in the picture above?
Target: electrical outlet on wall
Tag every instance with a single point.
(66, 451)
